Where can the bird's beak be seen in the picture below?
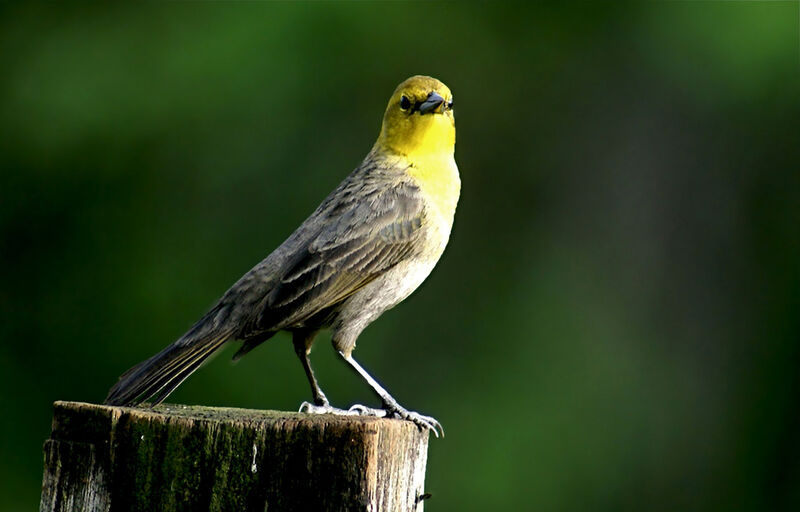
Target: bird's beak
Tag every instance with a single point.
(431, 103)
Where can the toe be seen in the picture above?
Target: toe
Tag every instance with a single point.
(363, 410)
(429, 423)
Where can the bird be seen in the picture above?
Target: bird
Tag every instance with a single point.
(368, 246)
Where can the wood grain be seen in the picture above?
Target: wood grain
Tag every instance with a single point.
(174, 457)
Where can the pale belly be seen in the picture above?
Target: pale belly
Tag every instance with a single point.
(386, 291)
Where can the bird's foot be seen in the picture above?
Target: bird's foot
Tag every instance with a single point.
(395, 411)
(420, 420)
(391, 411)
(310, 408)
(363, 410)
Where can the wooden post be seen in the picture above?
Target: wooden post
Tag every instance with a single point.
(175, 457)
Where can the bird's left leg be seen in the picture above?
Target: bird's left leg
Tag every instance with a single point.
(390, 405)
(302, 340)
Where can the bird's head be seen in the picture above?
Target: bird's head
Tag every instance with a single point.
(419, 119)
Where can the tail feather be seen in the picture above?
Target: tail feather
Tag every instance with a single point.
(179, 373)
(158, 376)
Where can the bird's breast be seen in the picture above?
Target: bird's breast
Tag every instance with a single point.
(440, 184)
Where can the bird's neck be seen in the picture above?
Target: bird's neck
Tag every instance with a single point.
(429, 151)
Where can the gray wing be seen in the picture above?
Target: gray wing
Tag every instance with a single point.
(358, 237)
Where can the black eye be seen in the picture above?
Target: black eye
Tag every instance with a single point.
(405, 103)
(450, 105)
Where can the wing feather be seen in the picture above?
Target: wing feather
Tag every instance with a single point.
(360, 240)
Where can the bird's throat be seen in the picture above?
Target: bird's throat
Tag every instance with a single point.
(427, 143)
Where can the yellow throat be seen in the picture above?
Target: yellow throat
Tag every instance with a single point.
(419, 127)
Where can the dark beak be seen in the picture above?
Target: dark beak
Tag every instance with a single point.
(431, 103)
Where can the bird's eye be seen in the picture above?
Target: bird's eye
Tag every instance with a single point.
(450, 105)
(405, 103)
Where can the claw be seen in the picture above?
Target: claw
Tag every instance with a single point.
(418, 419)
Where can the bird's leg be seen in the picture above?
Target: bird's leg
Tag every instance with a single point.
(390, 406)
(302, 341)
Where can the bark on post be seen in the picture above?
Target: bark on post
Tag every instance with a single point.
(175, 457)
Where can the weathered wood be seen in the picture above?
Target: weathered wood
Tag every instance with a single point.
(175, 457)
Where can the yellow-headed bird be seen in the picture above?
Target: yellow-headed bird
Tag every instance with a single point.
(370, 243)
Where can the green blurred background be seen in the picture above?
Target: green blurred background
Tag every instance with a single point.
(615, 324)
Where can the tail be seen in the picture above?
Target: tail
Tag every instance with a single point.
(157, 377)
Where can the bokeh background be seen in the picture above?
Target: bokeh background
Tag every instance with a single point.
(615, 324)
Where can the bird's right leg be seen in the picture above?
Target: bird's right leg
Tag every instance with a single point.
(390, 406)
(302, 341)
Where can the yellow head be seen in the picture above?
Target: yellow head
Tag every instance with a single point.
(419, 120)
